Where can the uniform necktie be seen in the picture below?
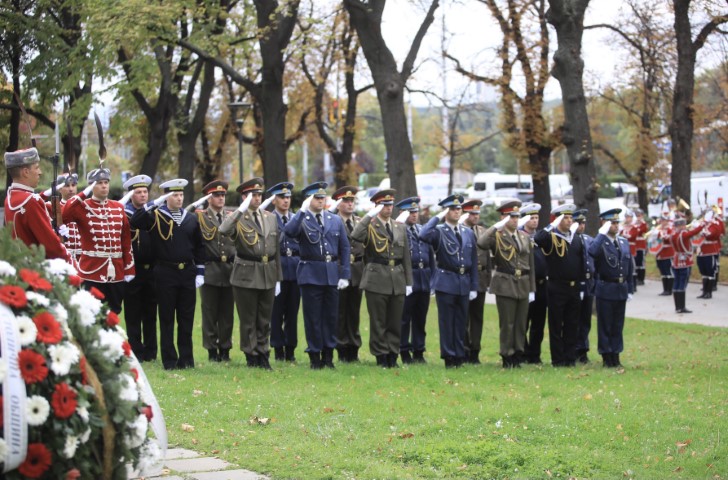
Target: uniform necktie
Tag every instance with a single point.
(257, 222)
(219, 217)
(515, 242)
(413, 230)
(318, 219)
(285, 219)
(459, 237)
(349, 226)
(389, 230)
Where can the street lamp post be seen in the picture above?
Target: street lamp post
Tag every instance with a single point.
(243, 108)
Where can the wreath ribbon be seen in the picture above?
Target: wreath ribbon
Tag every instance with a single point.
(15, 428)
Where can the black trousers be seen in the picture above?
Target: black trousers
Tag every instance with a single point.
(414, 317)
(537, 321)
(474, 330)
(564, 310)
(177, 299)
(284, 319)
(140, 313)
(113, 293)
(347, 325)
(585, 318)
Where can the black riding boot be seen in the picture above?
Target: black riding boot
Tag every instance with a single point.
(290, 354)
(680, 296)
(418, 356)
(665, 287)
(406, 357)
(280, 354)
(327, 358)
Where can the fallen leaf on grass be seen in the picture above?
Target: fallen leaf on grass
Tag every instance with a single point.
(406, 435)
(195, 441)
(186, 427)
(588, 396)
(463, 466)
(328, 409)
(678, 469)
(548, 472)
(258, 420)
(214, 452)
(197, 393)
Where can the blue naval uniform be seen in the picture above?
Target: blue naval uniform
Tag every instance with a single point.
(455, 276)
(587, 287)
(416, 305)
(614, 282)
(324, 259)
(284, 317)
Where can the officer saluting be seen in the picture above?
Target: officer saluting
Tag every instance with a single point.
(614, 285)
(324, 267)
(180, 268)
(455, 280)
(587, 289)
(536, 321)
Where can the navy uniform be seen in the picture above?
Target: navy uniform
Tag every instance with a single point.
(587, 290)
(284, 320)
(218, 307)
(325, 266)
(180, 268)
(348, 337)
(474, 330)
(513, 281)
(536, 321)
(140, 298)
(455, 279)
(417, 304)
(564, 253)
(614, 285)
(256, 271)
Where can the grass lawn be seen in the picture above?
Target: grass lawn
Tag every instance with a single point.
(665, 417)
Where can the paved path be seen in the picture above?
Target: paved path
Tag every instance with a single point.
(182, 464)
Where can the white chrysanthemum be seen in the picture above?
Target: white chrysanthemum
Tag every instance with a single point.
(27, 329)
(128, 389)
(3, 448)
(83, 413)
(83, 299)
(111, 344)
(121, 332)
(69, 449)
(141, 385)
(63, 356)
(149, 456)
(36, 410)
(59, 267)
(137, 431)
(38, 299)
(3, 369)
(85, 436)
(7, 270)
(59, 311)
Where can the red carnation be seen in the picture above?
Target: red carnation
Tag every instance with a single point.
(64, 401)
(147, 411)
(49, 330)
(32, 366)
(127, 348)
(73, 474)
(82, 366)
(13, 296)
(37, 461)
(75, 280)
(135, 374)
(36, 282)
(97, 293)
(112, 319)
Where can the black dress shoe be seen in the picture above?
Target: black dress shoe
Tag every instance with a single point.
(263, 362)
(224, 354)
(418, 356)
(406, 357)
(290, 354)
(213, 355)
(279, 354)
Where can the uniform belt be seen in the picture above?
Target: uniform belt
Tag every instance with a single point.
(614, 280)
(356, 258)
(291, 253)
(254, 258)
(512, 271)
(570, 283)
(420, 266)
(482, 267)
(223, 259)
(102, 254)
(460, 270)
(177, 265)
(381, 261)
(326, 258)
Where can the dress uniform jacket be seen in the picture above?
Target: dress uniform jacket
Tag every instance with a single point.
(175, 246)
(683, 246)
(614, 275)
(631, 232)
(357, 253)
(588, 284)
(73, 241)
(219, 248)
(514, 272)
(31, 222)
(452, 258)
(666, 251)
(423, 260)
(712, 231)
(485, 266)
(289, 251)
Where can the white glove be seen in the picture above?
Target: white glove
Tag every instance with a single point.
(87, 191)
(402, 217)
(629, 297)
(159, 201)
(343, 283)
(335, 206)
(49, 191)
(524, 220)
(374, 211)
(63, 231)
(472, 295)
(442, 214)
(246, 203)
(126, 197)
(581, 295)
(709, 216)
(267, 202)
(199, 281)
(407, 290)
(604, 229)
(278, 288)
(463, 217)
(306, 203)
(573, 227)
(502, 223)
(531, 297)
(556, 222)
(432, 293)
(196, 204)
(128, 278)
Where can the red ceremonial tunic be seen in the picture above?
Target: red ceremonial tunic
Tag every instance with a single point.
(73, 242)
(630, 233)
(667, 251)
(712, 231)
(31, 222)
(641, 241)
(683, 246)
(103, 228)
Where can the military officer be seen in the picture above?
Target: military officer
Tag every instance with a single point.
(614, 286)
(106, 260)
(513, 282)
(470, 219)
(565, 264)
(708, 253)
(256, 271)
(387, 277)
(348, 337)
(455, 280)
(179, 269)
(417, 304)
(587, 288)
(27, 211)
(682, 261)
(537, 308)
(140, 299)
(325, 266)
(284, 320)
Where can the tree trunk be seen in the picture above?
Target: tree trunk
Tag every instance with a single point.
(539, 163)
(567, 17)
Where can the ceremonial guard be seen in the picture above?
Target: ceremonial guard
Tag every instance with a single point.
(348, 337)
(587, 289)
(387, 277)
(565, 264)
(179, 268)
(256, 271)
(106, 260)
(537, 308)
(140, 298)
(474, 331)
(708, 252)
(27, 211)
(682, 261)
(417, 304)
(455, 279)
(217, 293)
(614, 286)
(513, 282)
(325, 266)
(640, 245)
(66, 185)
(660, 238)
(284, 319)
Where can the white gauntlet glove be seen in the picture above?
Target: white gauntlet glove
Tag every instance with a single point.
(501, 223)
(531, 296)
(306, 203)
(63, 231)
(604, 229)
(246, 203)
(557, 221)
(573, 227)
(278, 289)
(462, 219)
(402, 217)
(128, 278)
(374, 211)
(524, 220)
(407, 290)
(123, 200)
(442, 214)
(267, 202)
(343, 283)
(192, 206)
(334, 206)
(472, 295)
(159, 201)
(199, 281)
(87, 191)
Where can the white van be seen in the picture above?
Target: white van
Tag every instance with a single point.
(489, 187)
(431, 187)
(705, 191)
